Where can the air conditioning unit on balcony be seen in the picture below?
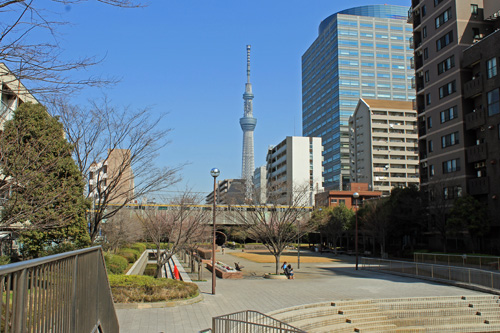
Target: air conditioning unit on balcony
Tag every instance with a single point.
(419, 53)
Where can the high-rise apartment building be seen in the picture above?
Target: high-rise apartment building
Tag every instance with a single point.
(446, 100)
(360, 52)
(294, 170)
(384, 149)
(458, 103)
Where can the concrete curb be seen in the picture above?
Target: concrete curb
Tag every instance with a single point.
(156, 305)
(275, 277)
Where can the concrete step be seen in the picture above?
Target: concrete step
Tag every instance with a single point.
(318, 322)
(423, 305)
(303, 314)
(339, 328)
(463, 328)
(374, 327)
(298, 307)
(459, 320)
(431, 313)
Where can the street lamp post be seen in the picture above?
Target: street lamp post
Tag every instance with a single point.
(214, 172)
(356, 196)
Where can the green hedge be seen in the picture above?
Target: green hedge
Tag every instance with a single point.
(115, 264)
(163, 246)
(140, 247)
(141, 288)
(130, 254)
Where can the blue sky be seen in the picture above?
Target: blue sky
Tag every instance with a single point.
(188, 58)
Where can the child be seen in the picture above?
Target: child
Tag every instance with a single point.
(289, 272)
(283, 267)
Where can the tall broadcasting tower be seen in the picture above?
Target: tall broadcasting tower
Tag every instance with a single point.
(248, 123)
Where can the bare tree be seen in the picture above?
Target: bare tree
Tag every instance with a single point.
(30, 46)
(118, 149)
(183, 224)
(121, 229)
(279, 222)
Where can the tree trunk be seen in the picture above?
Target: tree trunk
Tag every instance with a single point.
(158, 262)
(277, 258)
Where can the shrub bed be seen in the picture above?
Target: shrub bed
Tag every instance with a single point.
(139, 247)
(130, 254)
(115, 264)
(141, 288)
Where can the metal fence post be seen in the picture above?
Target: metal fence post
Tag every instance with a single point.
(20, 321)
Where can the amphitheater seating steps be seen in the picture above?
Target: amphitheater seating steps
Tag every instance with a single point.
(475, 313)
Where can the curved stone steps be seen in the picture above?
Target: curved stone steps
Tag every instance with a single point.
(475, 313)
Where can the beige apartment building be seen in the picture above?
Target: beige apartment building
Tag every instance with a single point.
(383, 145)
(112, 177)
(12, 94)
(229, 192)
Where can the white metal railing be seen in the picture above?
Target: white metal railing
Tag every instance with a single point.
(465, 275)
(481, 262)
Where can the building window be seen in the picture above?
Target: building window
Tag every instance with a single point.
(430, 145)
(426, 54)
(492, 67)
(446, 65)
(449, 140)
(428, 98)
(424, 11)
(443, 18)
(449, 114)
(493, 102)
(474, 9)
(451, 166)
(447, 89)
(426, 76)
(444, 41)
(431, 170)
(437, 2)
(429, 122)
(452, 192)
(424, 31)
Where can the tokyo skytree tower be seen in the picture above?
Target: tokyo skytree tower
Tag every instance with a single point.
(248, 123)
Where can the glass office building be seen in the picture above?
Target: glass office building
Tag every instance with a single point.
(361, 52)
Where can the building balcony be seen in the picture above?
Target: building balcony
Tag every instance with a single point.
(412, 62)
(477, 153)
(475, 119)
(473, 88)
(411, 43)
(479, 186)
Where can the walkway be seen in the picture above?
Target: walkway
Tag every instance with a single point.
(314, 282)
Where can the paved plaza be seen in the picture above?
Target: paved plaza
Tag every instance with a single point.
(314, 282)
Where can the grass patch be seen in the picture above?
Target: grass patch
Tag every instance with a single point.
(291, 257)
(138, 289)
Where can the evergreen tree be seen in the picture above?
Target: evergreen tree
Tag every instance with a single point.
(46, 192)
